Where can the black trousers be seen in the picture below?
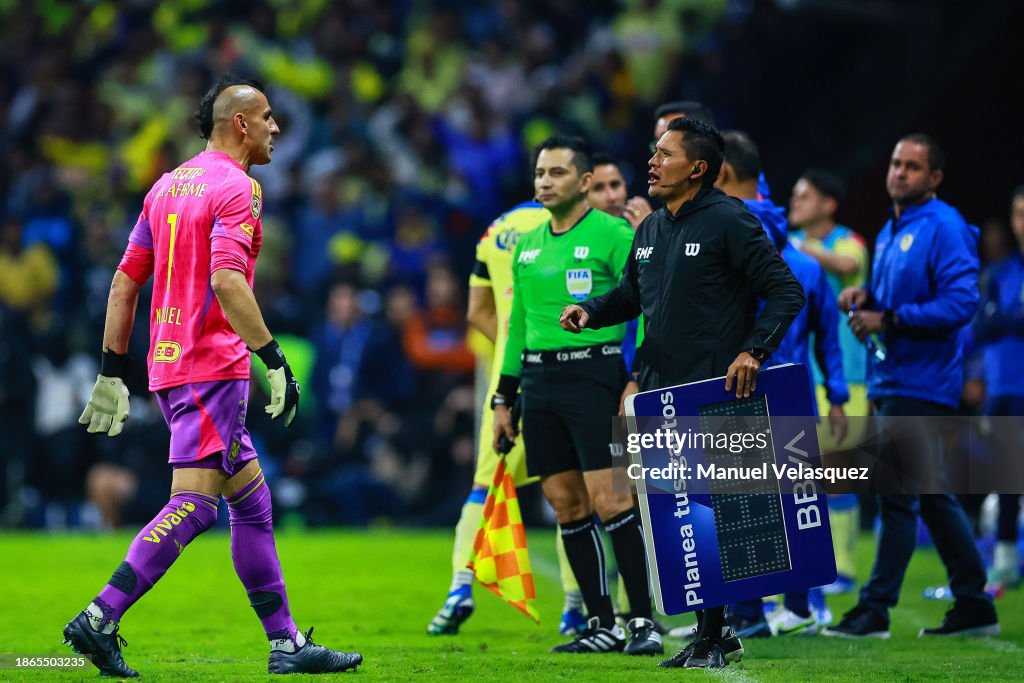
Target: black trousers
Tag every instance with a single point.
(941, 512)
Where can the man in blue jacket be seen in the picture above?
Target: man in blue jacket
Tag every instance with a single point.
(924, 289)
(739, 178)
(999, 331)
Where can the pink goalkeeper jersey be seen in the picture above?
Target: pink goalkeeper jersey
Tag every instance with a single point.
(200, 217)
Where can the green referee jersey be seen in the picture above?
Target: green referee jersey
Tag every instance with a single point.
(550, 271)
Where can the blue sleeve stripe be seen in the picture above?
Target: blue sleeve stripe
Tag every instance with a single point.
(477, 496)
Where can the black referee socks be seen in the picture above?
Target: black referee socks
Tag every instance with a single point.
(712, 623)
(628, 542)
(583, 547)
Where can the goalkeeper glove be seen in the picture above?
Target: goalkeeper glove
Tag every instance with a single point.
(108, 406)
(284, 390)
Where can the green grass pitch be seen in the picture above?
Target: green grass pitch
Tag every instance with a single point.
(375, 592)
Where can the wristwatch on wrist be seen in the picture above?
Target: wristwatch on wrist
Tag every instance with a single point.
(498, 400)
(890, 319)
(759, 354)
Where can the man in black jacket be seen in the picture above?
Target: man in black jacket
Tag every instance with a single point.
(696, 271)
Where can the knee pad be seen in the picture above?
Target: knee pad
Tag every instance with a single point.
(265, 603)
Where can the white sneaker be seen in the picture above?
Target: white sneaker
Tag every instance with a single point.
(784, 622)
(687, 632)
(1005, 567)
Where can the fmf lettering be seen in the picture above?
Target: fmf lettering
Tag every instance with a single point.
(643, 253)
(529, 255)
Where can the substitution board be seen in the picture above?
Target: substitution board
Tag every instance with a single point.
(735, 515)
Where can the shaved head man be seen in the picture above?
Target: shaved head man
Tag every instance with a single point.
(198, 236)
(239, 121)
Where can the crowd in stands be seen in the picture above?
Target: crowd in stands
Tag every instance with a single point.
(405, 126)
(406, 129)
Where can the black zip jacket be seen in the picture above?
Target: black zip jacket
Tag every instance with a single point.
(697, 277)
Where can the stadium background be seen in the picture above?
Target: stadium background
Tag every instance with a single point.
(406, 127)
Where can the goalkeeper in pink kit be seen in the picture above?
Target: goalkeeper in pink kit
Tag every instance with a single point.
(198, 236)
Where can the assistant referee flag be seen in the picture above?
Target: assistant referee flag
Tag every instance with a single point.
(501, 561)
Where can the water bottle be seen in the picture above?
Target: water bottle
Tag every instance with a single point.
(874, 345)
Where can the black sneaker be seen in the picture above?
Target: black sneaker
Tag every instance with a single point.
(595, 639)
(749, 628)
(732, 650)
(312, 659)
(104, 648)
(644, 638)
(707, 654)
(860, 622)
(965, 621)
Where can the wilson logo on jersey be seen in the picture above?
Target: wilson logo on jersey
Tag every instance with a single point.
(692, 248)
(166, 352)
(580, 253)
(644, 253)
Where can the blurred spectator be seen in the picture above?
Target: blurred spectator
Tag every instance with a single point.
(321, 219)
(435, 339)
(435, 58)
(998, 330)
(29, 276)
(341, 345)
(403, 130)
(649, 34)
(64, 377)
(17, 409)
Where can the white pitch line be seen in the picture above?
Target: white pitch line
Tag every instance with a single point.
(732, 674)
(1001, 645)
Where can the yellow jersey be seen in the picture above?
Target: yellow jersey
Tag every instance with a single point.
(493, 267)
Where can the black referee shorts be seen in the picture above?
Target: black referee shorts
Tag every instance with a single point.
(567, 412)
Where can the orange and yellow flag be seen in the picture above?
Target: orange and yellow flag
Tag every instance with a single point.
(501, 561)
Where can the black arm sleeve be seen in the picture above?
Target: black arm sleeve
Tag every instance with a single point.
(753, 254)
(618, 305)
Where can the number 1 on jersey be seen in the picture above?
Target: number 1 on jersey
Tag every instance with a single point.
(172, 220)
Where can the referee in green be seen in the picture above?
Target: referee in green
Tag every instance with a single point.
(571, 386)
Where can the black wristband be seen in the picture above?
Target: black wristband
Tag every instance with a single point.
(115, 364)
(271, 355)
(508, 385)
(759, 354)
